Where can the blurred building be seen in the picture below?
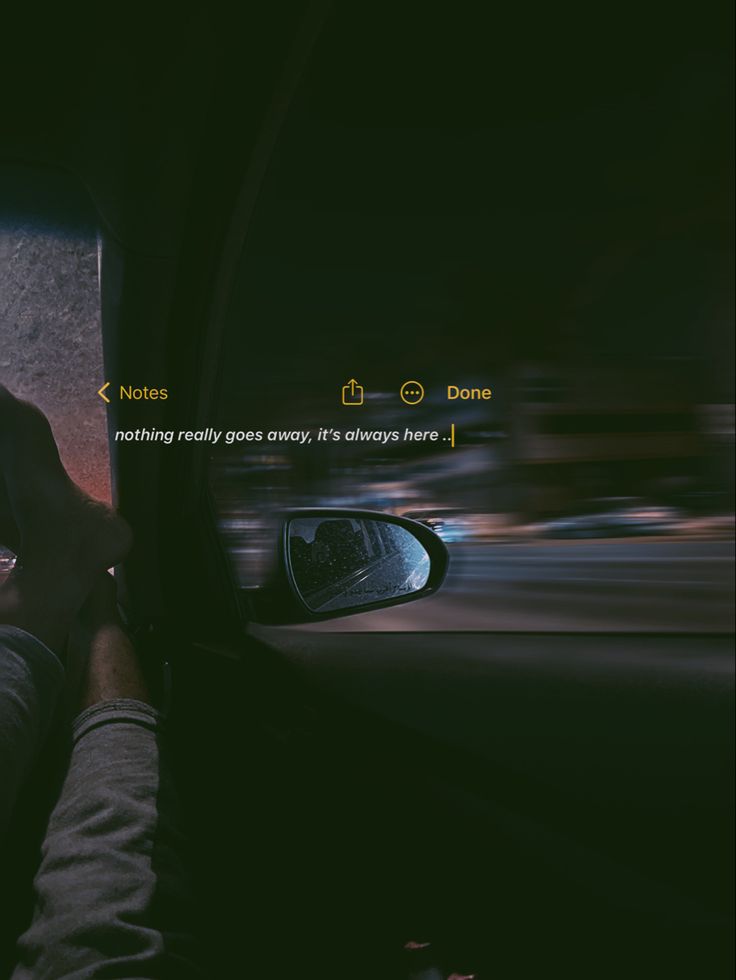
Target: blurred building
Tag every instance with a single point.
(612, 431)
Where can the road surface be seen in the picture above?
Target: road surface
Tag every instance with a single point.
(645, 584)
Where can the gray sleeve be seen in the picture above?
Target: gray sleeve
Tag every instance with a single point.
(111, 892)
(31, 679)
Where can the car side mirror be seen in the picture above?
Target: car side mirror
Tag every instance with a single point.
(335, 562)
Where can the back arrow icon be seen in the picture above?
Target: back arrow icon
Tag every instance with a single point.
(102, 394)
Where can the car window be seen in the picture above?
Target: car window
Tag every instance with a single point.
(531, 268)
(50, 343)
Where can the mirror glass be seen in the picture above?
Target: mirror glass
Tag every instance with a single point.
(343, 562)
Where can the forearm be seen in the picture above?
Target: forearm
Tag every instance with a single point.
(112, 894)
(111, 888)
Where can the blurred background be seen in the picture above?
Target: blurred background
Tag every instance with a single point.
(539, 208)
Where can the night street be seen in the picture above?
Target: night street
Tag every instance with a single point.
(643, 584)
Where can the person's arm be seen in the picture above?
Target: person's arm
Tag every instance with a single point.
(112, 894)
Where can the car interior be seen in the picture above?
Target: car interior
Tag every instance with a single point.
(275, 200)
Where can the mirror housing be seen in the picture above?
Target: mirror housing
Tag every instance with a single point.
(338, 562)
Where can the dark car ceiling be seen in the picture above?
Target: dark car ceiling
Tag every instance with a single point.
(129, 100)
(133, 100)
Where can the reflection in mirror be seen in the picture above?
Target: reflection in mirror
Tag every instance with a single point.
(341, 562)
(7, 562)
